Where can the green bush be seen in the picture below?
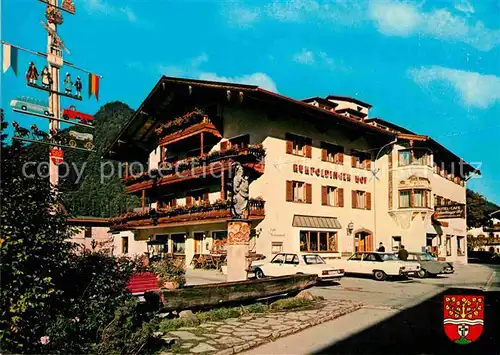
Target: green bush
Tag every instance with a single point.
(219, 314)
(290, 303)
(170, 270)
(256, 308)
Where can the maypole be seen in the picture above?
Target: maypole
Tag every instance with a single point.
(49, 80)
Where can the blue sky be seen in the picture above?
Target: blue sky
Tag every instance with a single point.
(431, 66)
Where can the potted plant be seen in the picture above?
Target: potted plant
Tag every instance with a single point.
(171, 272)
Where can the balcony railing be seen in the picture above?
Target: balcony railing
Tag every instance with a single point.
(219, 210)
(180, 123)
(252, 155)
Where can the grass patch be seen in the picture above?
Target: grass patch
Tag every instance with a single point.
(290, 303)
(168, 325)
(256, 308)
(219, 314)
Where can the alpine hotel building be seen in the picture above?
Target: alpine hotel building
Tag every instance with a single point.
(325, 177)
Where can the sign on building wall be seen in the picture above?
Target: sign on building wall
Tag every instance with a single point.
(450, 211)
(328, 174)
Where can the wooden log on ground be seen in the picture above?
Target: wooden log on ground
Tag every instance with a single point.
(209, 295)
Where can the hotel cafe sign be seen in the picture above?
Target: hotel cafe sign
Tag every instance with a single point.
(328, 174)
(450, 211)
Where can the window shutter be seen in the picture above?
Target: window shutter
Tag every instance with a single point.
(324, 191)
(189, 200)
(174, 202)
(323, 154)
(340, 197)
(308, 151)
(340, 158)
(368, 201)
(308, 193)
(289, 147)
(223, 145)
(205, 196)
(368, 163)
(289, 190)
(354, 204)
(412, 199)
(353, 161)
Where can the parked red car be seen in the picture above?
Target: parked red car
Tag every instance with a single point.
(71, 113)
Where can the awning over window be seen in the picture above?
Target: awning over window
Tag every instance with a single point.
(316, 222)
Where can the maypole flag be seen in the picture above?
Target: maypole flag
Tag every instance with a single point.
(9, 58)
(94, 85)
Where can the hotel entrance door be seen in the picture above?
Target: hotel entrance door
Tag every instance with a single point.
(363, 241)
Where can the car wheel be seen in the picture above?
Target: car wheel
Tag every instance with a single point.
(379, 275)
(24, 108)
(259, 274)
(422, 273)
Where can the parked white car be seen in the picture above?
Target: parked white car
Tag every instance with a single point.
(290, 263)
(380, 265)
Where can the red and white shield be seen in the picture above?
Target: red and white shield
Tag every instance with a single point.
(463, 317)
(56, 155)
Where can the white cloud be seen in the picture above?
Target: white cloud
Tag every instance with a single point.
(129, 13)
(477, 90)
(465, 7)
(102, 7)
(197, 61)
(308, 57)
(242, 16)
(304, 57)
(191, 68)
(397, 18)
(260, 79)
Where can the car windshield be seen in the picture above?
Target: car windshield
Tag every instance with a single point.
(388, 256)
(313, 259)
(427, 257)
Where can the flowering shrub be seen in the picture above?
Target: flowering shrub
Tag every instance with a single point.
(190, 118)
(170, 270)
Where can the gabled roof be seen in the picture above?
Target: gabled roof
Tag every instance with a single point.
(348, 99)
(134, 139)
(389, 125)
(321, 101)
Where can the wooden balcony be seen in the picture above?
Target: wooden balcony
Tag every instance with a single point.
(218, 211)
(201, 128)
(214, 164)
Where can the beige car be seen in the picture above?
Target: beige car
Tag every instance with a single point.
(380, 265)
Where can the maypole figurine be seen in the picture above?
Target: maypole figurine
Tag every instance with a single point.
(46, 77)
(32, 74)
(68, 84)
(78, 86)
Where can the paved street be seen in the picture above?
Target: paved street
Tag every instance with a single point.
(397, 312)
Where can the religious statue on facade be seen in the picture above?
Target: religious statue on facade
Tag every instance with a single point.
(78, 86)
(32, 74)
(68, 84)
(239, 203)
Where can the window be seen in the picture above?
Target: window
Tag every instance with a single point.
(298, 191)
(167, 202)
(298, 145)
(276, 247)
(361, 200)
(414, 156)
(332, 196)
(278, 259)
(178, 243)
(88, 232)
(356, 256)
(242, 141)
(412, 257)
(361, 160)
(448, 245)
(292, 259)
(369, 257)
(460, 246)
(313, 259)
(416, 198)
(198, 198)
(332, 153)
(124, 245)
(396, 243)
(314, 241)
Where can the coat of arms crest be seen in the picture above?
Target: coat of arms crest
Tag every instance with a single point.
(463, 317)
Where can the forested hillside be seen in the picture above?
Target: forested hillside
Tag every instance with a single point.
(88, 196)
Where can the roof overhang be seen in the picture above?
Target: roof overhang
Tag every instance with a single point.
(137, 138)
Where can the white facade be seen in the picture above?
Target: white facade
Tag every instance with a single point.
(380, 220)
